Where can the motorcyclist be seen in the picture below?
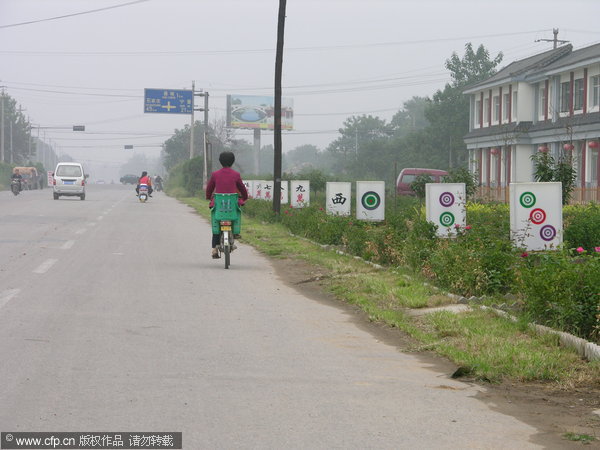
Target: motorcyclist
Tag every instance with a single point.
(144, 179)
(158, 182)
(225, 181)
(17, 176)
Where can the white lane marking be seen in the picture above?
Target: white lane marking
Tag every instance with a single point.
(7, 295)
(67, 245)
(45, 266)
(100, 218)
(92, 224)
(80, 231)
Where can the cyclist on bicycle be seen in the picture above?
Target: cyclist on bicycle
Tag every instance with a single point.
(225, 181)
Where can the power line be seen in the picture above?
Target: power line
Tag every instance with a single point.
(71, 15)
(265, 50)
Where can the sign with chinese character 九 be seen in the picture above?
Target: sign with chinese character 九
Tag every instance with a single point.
(370, 200)
(446, 207)
(249, 187)
(299, 193)
(338, 198)
(285, 189)
(536, 221)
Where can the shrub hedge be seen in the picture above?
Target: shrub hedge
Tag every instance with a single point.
(560, 288)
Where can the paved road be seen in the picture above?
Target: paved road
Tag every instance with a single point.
(114, 318)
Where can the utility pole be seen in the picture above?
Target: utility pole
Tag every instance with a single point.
(2, 127)
(207, 164)
(29, 142)
(207, 154)
(10, 144)
(192, 124)
(555, 40)
(278, 72)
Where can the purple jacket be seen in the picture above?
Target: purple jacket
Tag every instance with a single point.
(226, 181)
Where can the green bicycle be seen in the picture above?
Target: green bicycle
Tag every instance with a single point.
(226, 218)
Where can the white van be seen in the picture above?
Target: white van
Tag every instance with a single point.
(69, 179)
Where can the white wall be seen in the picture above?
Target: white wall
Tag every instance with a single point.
(523, 166)
(526, 101)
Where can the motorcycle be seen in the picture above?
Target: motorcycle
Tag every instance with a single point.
(15, 186)
(158, 185)
(227, 222)
(143, 193)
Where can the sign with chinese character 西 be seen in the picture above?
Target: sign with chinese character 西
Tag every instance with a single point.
(338, 197)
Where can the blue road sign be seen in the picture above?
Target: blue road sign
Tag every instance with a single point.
(167, 101)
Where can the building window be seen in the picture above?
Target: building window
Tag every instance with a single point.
(496, 109)
(578, 94)
(514, 106)
(477, 112)
(505, 105)
(595, 91)
(565, 96)
(486, 110)
(542, 104)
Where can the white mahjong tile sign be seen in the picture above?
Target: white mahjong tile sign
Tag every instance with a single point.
(299, 193)
(536, 221)
(258, 189)
(249, 187)
(338, 197)
(370, 200)
(285, 185)
(445, 205)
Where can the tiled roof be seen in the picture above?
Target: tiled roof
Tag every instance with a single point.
(584, 54)
(506, 129)
(524, 66)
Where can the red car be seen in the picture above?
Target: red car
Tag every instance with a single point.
(407, 176)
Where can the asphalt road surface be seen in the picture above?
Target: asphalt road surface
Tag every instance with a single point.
(113, 317)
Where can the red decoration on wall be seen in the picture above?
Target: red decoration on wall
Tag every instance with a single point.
(495, 151)
(594, 144)
(568, 147)
(543, 149)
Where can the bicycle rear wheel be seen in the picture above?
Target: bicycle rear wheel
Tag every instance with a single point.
(227, 252)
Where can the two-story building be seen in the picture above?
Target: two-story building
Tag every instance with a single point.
(549, 102)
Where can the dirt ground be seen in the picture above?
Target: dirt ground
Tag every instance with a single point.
(552, 410)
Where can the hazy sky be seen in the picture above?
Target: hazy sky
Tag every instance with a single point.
(342, 57)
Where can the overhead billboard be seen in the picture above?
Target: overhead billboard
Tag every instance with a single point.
(255, 111)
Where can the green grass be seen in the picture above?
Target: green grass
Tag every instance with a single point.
(484, 345)
(585, 438)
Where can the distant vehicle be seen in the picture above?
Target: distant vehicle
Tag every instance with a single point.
(69, 179)
(408, 175)
(129, 179)
(101, 181)
(15, 186)
(31, 178)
